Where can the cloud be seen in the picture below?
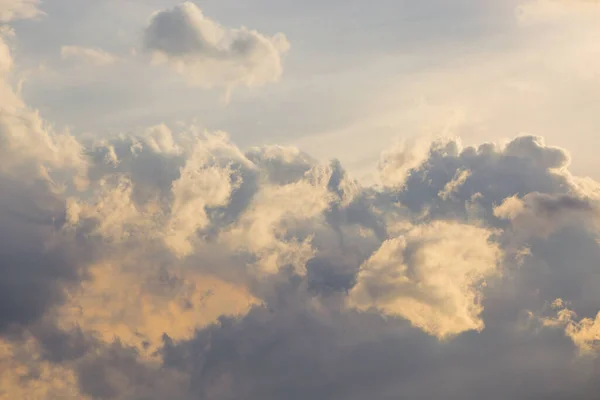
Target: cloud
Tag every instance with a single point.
(173, 264)
(542, 214)
(18, 9)
(585, 333)
(26, 375)
(396, 163)
(459, 179)
(218, 272)
(209, 54)
(87, 55)
(431, 276)
(30, 148)
(148, 301)
(38, 260)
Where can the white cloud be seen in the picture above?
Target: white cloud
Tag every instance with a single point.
(29, 147)
(431, 276)
(209, 54)
(205, 181)
(118, 217)
(263, 228)
(160, 139)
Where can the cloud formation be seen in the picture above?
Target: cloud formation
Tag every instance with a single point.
(173, 264)
(209, 54)
(430, 275)
(215, 273)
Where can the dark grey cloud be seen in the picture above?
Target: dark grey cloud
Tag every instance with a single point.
(37, 261)
(550, 206)
(59, 346)
(116, 372)
(291, 350)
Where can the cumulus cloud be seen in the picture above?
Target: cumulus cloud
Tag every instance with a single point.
(29, 146)
(87, 55)
(209, 54)
(430, 276)
(314, 270)
(173, 264)
(37, 166)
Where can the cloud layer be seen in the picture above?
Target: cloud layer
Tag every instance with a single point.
(172, 264)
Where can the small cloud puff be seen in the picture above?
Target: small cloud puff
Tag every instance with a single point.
(209, 54)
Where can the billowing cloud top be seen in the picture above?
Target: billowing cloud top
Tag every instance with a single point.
(172, 264)
(209, 54)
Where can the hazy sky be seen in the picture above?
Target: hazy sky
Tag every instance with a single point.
(291, 200)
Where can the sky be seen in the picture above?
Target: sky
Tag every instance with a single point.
(274, 199)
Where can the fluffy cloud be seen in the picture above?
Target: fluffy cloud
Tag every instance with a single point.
(37, 165)
(29, 147)
(209, 54)
(176, 265)
(430, 276)
(284, 245)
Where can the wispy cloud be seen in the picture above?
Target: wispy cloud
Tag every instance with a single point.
(87, 55)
